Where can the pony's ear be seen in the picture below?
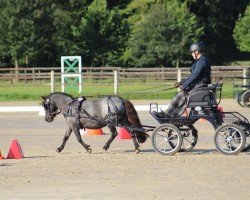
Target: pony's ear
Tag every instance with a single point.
(43, 97)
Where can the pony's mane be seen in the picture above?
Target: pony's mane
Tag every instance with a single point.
(61, 93)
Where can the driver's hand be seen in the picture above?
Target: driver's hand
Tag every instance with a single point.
(177, 84)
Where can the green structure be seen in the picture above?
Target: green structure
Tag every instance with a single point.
(71, 69)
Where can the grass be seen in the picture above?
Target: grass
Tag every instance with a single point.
(31, 92)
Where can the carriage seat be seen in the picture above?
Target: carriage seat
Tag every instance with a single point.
(205, 96)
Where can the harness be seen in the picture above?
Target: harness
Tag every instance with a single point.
(110, 118)
(78, 111)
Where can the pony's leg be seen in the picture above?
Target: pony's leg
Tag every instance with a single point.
(113, 135)
(79, 138)
(132, 133)
(66, 137)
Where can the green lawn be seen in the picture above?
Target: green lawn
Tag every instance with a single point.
(25, 92)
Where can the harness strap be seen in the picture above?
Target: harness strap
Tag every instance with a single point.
(78, 111)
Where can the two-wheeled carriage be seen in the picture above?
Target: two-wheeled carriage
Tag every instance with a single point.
(241, 90)
(178, 134)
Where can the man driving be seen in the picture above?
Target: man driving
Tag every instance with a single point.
(200, 77)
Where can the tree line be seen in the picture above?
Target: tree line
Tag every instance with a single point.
(124, 33)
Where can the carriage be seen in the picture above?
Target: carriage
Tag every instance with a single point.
(241, 90)
(178, 134)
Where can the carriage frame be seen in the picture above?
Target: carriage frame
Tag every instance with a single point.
(178, 134)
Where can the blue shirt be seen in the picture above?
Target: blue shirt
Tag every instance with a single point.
(200, 74)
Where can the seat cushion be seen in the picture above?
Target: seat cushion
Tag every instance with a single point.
(200, 98)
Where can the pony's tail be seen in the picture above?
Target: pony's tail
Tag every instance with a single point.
(135, 121)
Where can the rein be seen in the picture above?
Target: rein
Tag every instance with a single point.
(137, 91)
(59, 110)
(142, 91)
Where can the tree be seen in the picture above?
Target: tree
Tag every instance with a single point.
(218, 18)
(16, 29)
(163, 35)
(103, 33)
(242, 31)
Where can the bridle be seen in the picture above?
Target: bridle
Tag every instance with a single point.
(48, 105)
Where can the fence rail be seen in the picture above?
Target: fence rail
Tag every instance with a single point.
(123, 74)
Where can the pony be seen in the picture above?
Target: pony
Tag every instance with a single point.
(80, 113)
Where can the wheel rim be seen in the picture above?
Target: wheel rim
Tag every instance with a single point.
(166, 140)
(246, 99)
(229, 139)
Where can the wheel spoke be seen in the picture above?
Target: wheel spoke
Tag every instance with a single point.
(234, 133)
(190, 142)
(225, 145)
(161, 143)
(230, 146)
(160, 134)
(222, 134)
(171, 137)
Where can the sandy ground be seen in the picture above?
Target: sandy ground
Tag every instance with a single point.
(119, 173)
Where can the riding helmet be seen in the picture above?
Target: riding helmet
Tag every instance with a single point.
(196, 47)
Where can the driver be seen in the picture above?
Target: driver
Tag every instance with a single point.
(200, 77)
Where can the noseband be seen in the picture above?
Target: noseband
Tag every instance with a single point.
(48, 112)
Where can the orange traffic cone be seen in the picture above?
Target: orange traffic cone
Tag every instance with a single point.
(1, 157)
(92, 131)
(123, 134)
(15, 151)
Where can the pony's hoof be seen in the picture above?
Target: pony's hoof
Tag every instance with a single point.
(105, 149)
(58, 150)
(137, 151)
(89, 150)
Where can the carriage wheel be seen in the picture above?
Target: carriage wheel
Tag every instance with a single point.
(246, 98)
(240, 102)
(230, 139)
(247, 147)
(167, 139)
(239, 98)
(190, 139)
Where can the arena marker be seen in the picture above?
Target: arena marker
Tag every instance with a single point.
(1, 157)
(91, 131)
(15, 151)
(123, 134)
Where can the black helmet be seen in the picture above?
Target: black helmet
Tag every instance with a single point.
(196, 47)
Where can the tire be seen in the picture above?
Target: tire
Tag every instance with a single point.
(230, 139)
(167, 139)
(190, 138)
(240, 103)
(239, 98)
(246, 98)
(247, 146)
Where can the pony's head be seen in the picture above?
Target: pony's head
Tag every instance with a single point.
(49, 108)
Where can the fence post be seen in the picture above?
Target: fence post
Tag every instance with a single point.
(115, 81)
(25, 76)
(178, 76)
(33, 75)
(52, 81)
(244, 76)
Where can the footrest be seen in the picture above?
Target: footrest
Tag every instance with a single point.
(162, 117)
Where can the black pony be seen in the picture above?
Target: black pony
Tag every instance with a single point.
(93, 114)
